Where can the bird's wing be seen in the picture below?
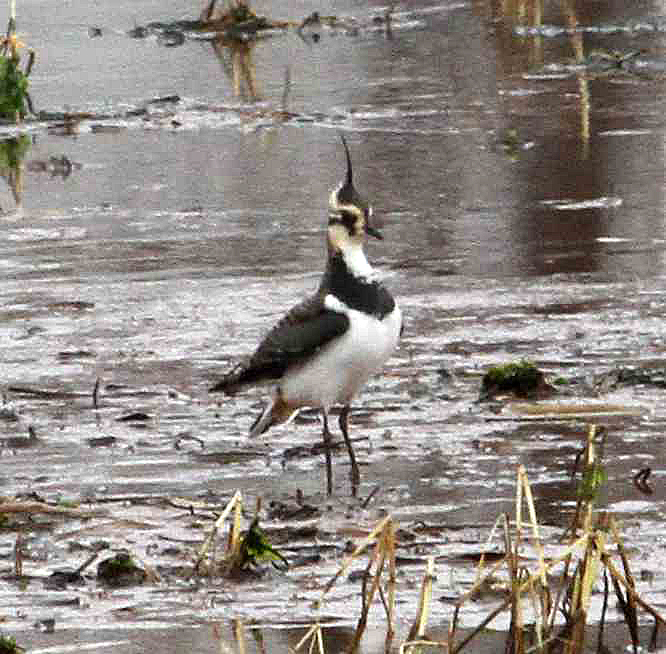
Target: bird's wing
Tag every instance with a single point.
(300, 333)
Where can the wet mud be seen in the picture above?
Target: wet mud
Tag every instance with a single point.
(166, 206)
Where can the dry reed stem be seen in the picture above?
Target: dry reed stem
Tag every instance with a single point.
(593, 558)
(418, 628)
(237, 499)
(239, 635)
(522, 474)
(537, 601)
(627, 603)
(235, 533)
(583, 504)
(516, 634)
(314, 635)
(40, 507)
(350, 559)
(525, 585)
(383, 535)
(391, 584)
(518, 586)
(18, 555)
(617, 575)
(590, 461)
(515, 626)
(379, 556)
(586, 575)
(505, 525)
(587, 570)
(515, 644)
(384, 548)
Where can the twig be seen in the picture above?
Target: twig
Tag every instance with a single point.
(95, 394)
(602, 620)
(18, 555)
(368, 499)
(40, 507)
(641, 481)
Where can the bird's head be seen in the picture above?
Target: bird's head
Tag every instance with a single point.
(349, 214)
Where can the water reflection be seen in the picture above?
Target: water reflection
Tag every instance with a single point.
(12, 154)
(236, 59)
(498, 206)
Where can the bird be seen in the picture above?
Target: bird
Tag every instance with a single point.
(323, 351)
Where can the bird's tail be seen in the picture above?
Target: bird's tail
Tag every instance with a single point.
(231, 383)
(275, 412)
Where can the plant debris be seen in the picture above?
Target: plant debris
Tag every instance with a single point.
(522, 379)
(120, 570)
(8, 645)
(255, 549)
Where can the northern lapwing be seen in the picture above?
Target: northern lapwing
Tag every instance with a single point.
(322, 352)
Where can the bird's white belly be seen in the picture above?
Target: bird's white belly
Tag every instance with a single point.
(339, 370)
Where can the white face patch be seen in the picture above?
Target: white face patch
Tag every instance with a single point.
(333, 304)
(333, 198)
(351, 249)
(356, 262)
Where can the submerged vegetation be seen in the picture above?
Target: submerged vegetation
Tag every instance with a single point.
(120, 570)
(523, 379)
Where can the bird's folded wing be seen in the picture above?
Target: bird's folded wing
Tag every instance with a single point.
(303, 331)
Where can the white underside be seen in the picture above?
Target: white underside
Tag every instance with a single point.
(339, 370)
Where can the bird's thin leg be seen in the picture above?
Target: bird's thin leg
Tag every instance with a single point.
(327, 452)
(354, 474)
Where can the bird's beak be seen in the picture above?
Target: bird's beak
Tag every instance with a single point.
(373, 231)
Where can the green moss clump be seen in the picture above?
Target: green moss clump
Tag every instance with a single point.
(8, 645)
(593, 479)
(13, 89)
(120, 570)
(522, 378)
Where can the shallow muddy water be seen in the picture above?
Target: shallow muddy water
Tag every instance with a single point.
(149, 244)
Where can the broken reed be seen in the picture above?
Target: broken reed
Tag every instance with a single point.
(209, 546)
(558, 586)
(381, 564)
(586, 559)
(561, 585)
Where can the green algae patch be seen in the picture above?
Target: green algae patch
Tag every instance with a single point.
(13, 89)
(120, 570)
(523, 379)
(8, 645)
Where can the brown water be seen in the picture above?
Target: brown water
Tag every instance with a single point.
(522, 195)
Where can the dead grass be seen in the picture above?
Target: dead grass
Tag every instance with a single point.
(548, 602)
